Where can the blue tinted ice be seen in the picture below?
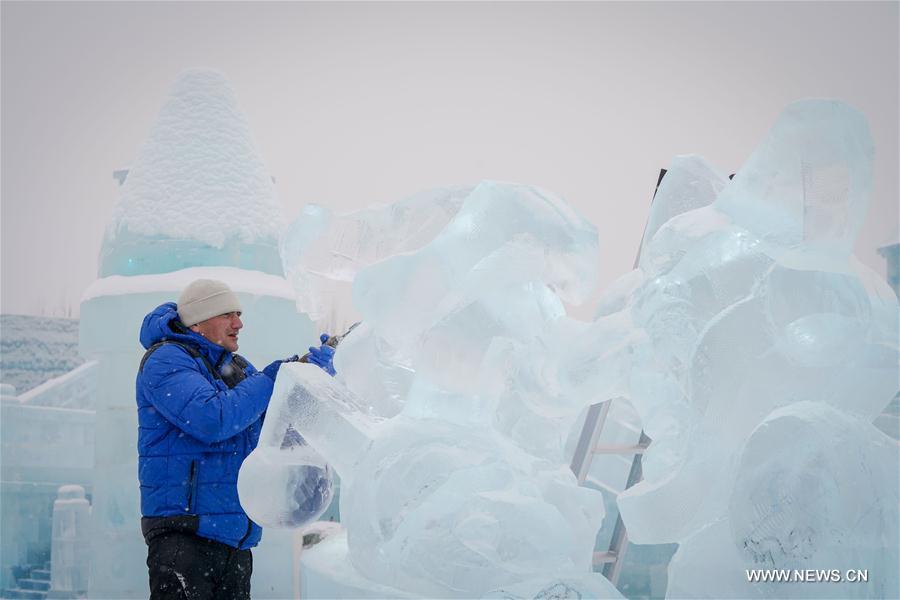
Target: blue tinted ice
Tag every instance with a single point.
(464, 490)
(755, 350)
(323, 251)
(753, 305)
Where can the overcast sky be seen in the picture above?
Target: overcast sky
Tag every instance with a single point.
(352, 104)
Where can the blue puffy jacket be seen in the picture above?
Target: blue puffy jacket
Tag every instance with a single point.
(194, 432)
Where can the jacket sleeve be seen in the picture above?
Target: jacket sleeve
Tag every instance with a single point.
(178, 388)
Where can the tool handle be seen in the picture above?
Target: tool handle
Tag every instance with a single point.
(333, 341)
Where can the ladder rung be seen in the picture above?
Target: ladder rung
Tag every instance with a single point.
(620, 449)
(603, 486)
(601, 558)
(584, 451)
(630, 427)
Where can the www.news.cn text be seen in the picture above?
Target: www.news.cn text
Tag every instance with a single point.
(806, 575)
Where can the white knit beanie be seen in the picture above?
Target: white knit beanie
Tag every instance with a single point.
(204, 299)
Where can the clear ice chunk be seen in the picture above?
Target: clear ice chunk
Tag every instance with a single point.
(689, 183)
(753, 309)
(431, 505)
(323, 251)
(285, 488)
(805, 190)
(815, 488)
(746, 340)
(829, 497)
(465, 489)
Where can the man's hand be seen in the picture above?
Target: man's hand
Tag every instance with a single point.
(323, 355)
(271, 371)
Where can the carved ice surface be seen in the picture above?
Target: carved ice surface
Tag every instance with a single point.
(793, 510)
(289, 485)
(690, 183)
(827, 499)
(323, 251)
(445, 421)
(752, 305)
(805, 191)
(754, 348)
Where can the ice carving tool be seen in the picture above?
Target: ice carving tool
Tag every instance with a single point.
(332, 342)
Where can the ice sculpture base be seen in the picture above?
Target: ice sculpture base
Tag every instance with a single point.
(326, 572)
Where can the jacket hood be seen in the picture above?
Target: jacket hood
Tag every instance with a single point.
(162, 324)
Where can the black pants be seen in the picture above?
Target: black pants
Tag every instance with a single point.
(188, 567)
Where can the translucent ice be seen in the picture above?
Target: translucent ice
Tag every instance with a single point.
(475, 293)
(322, 251)
(435, 507)
(690, 183)
(285, 486)
(746, 340)
(749, 305)
(827, 499)
(464, 489)
(482, 290)
(805, 191)
(573, 587)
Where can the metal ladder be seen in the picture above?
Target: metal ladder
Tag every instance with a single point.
(585, 451)
(587, 448)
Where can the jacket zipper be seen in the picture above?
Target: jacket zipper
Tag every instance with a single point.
(192, 490)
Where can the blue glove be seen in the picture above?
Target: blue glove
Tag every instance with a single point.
(322, 356)
(271, 371)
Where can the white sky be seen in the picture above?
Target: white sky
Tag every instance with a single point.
(352, 104)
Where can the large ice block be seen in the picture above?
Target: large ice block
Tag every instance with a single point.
(323, 251)
(446, 421)
(288, 486)
(805, 190)
(753, 309)
(449, 418)
(815, 489)
(689, 183)
(827, 497)
(433, 506)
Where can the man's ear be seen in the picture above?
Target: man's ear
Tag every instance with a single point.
(195, 328)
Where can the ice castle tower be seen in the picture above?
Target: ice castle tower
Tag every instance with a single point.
(197, 202)
(198, 193)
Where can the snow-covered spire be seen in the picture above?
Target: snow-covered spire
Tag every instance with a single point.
(198, 193)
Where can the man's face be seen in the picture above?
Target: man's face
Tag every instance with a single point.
(222, 330)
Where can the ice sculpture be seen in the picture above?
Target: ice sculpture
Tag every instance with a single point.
(794, 509)
(455, 483)
(690, 183)
(322, 251)
(748, 340)
(750, 305)
(298, 483)
(833, 484)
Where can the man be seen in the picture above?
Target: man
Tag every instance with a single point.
(200, 412)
